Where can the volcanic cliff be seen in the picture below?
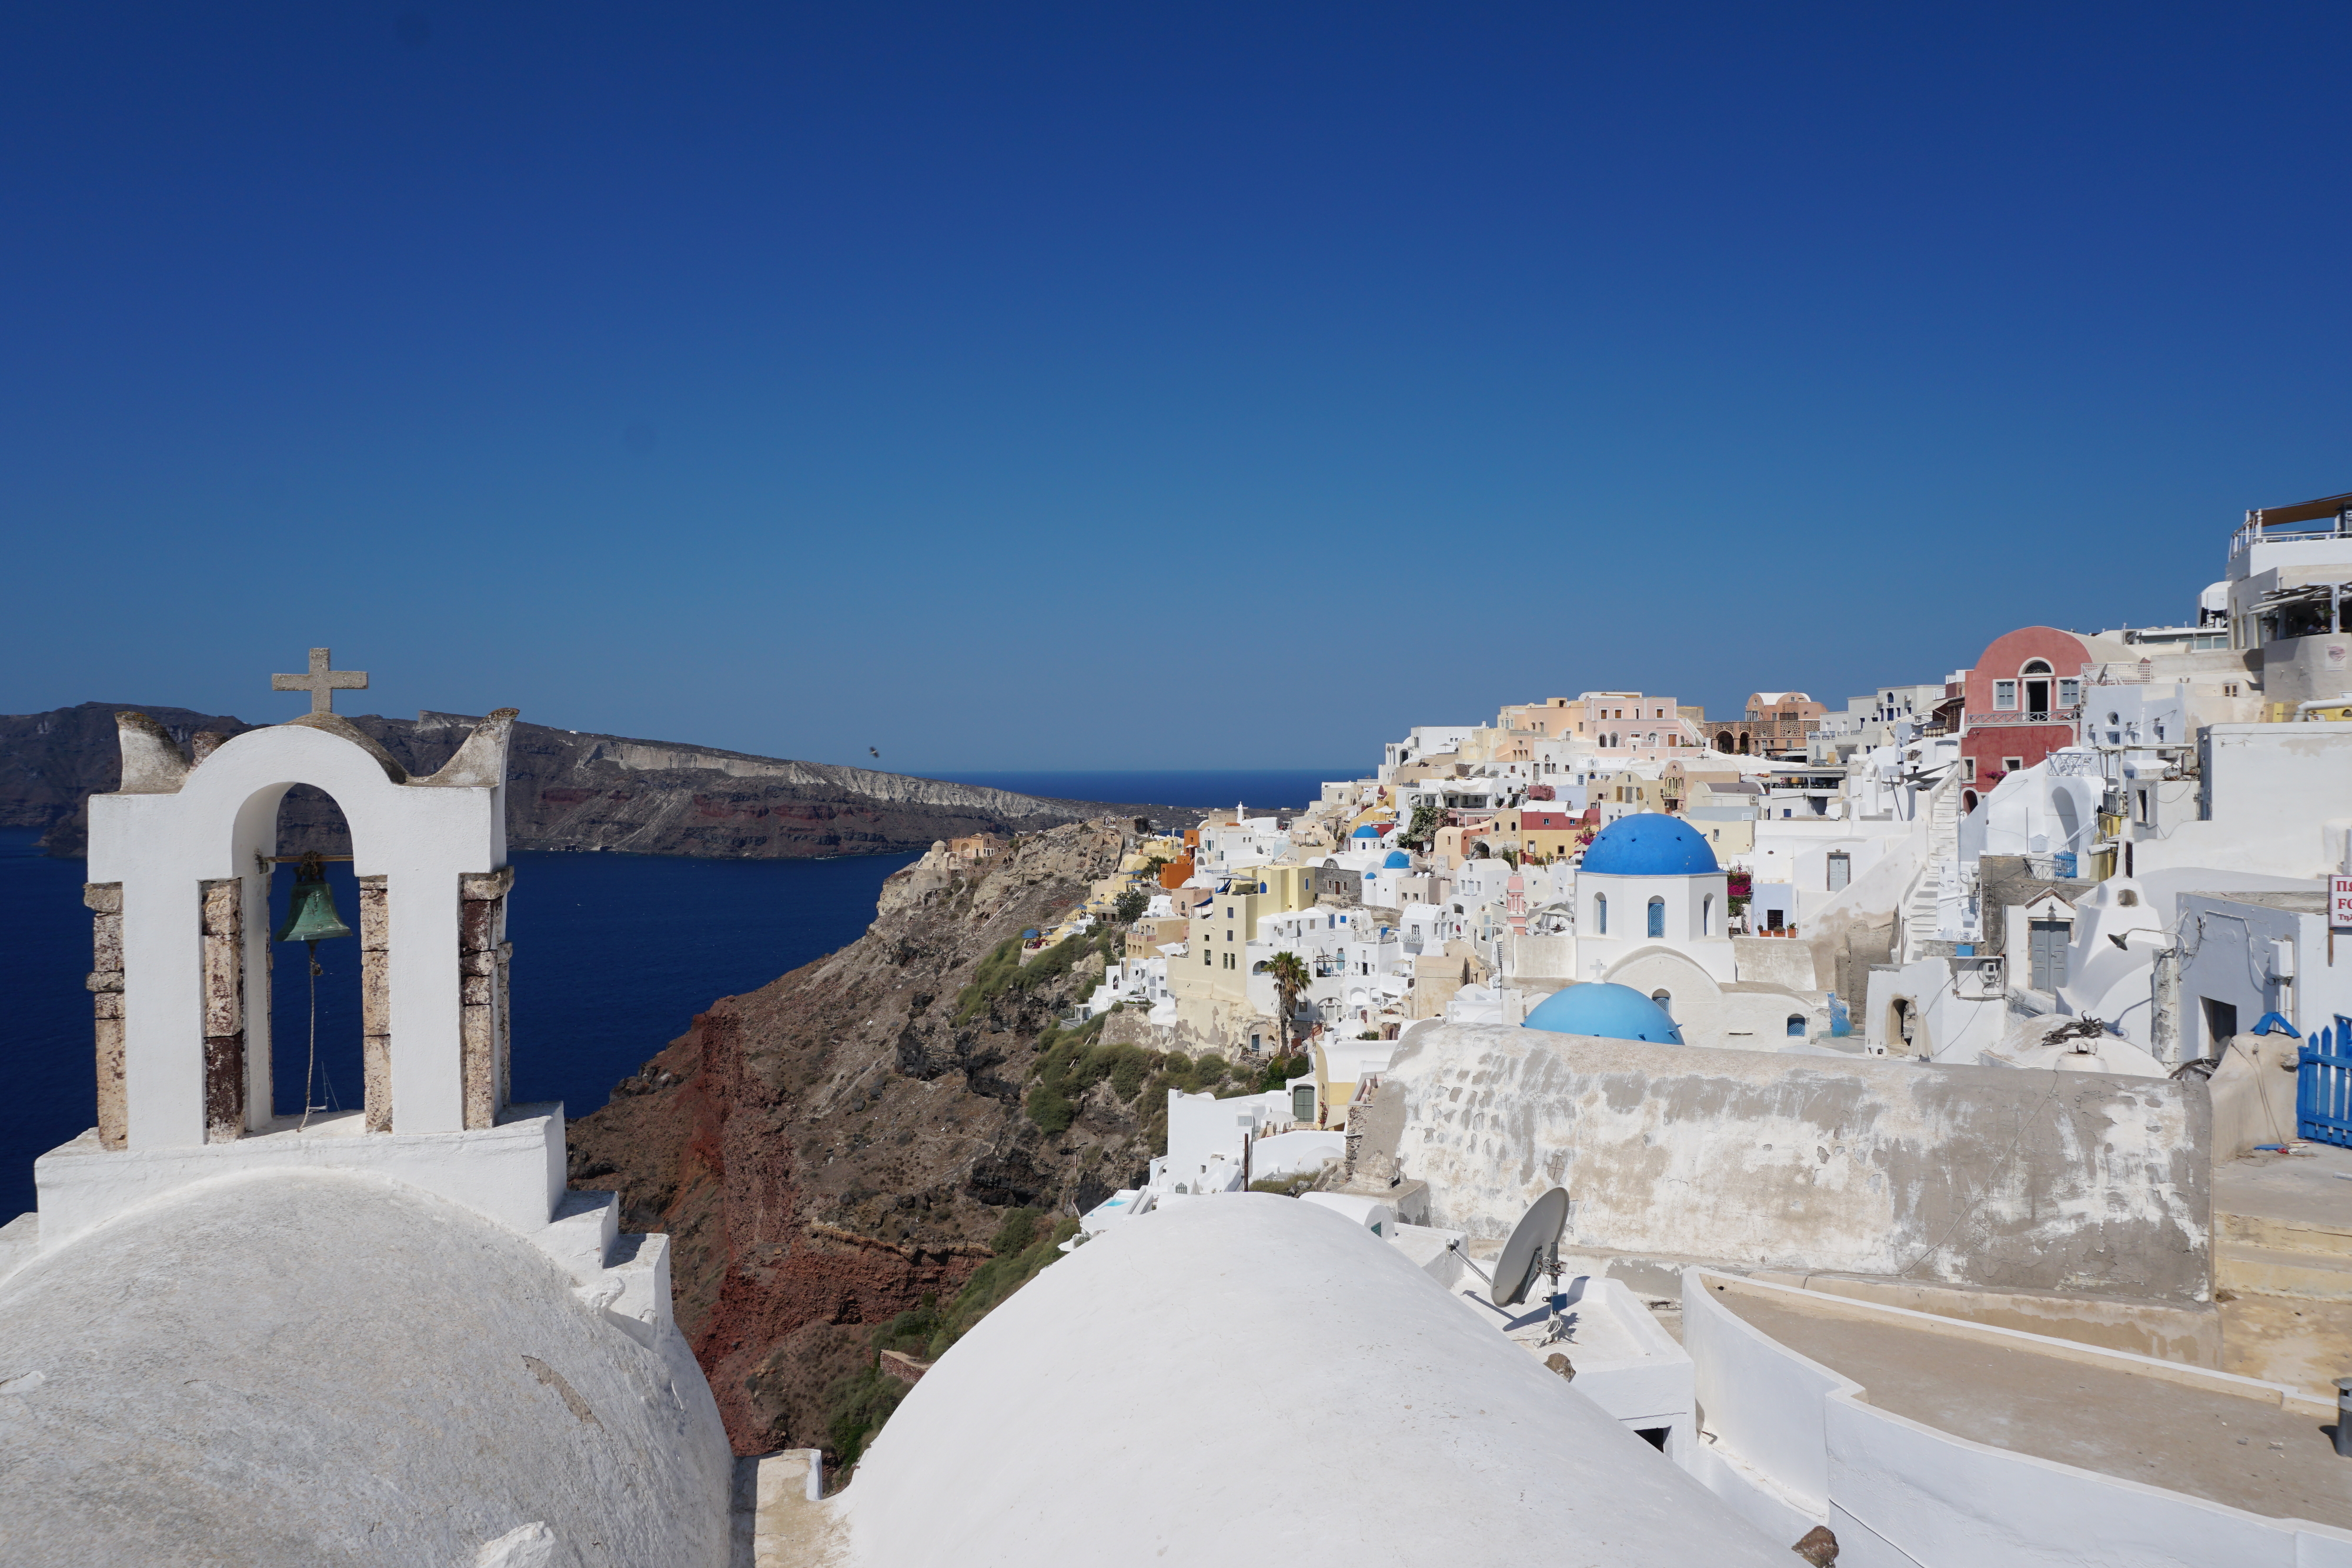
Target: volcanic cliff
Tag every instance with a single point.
(828, 1151)
(565, 791)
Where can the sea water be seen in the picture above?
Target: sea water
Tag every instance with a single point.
(614, 956)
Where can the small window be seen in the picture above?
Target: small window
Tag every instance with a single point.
(1600, 913)
(1657, 918)
(2070, 692)
(2035, 667)
(2012, 765)
(1841, 869)
(1796, 1026)
(1772, 920)
(1969, 768)
(1707, 915)
(2004, 695)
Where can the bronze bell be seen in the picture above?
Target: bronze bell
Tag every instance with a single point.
(310, 913)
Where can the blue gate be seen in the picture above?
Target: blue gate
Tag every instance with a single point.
(2323, 1085)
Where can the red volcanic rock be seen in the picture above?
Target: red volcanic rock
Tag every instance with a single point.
(829, 1150)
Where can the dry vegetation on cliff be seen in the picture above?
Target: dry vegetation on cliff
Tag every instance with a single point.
(844, 1146)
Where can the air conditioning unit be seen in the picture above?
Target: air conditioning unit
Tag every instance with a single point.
(1980, 979)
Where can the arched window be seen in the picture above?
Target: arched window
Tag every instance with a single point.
(2034, 667)
(1601, 915)
(1657, 918)
(1665, 1002)
(1796, 1026)
(1707, 915)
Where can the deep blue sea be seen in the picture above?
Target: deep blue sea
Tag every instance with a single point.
(1271, 788)
(614, 956)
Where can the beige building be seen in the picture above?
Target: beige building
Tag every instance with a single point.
(1209, 982)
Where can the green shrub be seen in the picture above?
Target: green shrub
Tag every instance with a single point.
(856, 1405)
(997, 1279)
(1002, 971)
(911, 1330)
(1019, 1228)
(1131, 906)
(1281, 1070)
(1127, 1073)
(1051, 1109)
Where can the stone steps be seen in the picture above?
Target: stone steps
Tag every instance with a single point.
(2288, 1235)
(2313, 1276)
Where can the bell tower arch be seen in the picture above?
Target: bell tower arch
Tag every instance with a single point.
(179, 857)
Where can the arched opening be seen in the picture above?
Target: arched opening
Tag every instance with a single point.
(1666, 1001)
(334, 1080)
(1601, 915)
(1743, 746)
(1657, 926)
(1723, 742)
(1707, 915)
(1967, 801)
(1796, 1026)
(2036, 677)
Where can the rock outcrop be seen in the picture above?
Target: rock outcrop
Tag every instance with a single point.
(566, 791)
(829, 1150)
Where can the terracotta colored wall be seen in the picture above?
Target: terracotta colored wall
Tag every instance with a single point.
(2064, 653)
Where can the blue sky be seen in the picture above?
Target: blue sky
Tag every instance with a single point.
(1098, 386)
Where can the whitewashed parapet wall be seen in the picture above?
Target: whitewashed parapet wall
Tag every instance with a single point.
(178, 890)
(1977, 1175)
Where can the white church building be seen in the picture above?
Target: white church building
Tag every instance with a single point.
(392, 1335)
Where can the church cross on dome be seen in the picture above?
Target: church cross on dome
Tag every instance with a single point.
(320, 681)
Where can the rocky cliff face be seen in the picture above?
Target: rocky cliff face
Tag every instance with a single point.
(828, 1150)
(565, 792)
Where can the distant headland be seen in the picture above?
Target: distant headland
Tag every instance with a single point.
(568, 790)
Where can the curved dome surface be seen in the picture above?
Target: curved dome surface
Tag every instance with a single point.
(1607, 1010)
(1650, 844)
(1366, 832)
(304, 1367)
(1149, 1467)
(1398, 861)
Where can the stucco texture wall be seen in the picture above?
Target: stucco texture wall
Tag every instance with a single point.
(1977, 1175)
(309, 1367)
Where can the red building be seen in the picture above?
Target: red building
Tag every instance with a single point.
(2023, 697)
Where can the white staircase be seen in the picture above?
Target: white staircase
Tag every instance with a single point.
(1941, 848)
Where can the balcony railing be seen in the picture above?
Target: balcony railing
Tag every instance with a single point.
(2254, 534)
(2022, 715)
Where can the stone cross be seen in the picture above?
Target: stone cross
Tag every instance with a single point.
(321, 683)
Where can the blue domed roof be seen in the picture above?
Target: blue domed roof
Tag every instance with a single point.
(1398, 861)
(1603, 1009)
(1367, 831)
(1650, 845)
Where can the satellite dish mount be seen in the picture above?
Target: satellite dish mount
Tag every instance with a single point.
(1533, 1251)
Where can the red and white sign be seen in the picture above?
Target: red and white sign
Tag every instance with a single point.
(2339, 903)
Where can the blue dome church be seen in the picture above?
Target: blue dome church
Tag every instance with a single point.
(1608, 1011)
(1649, 882)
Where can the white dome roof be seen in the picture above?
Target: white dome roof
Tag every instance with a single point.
(1254, 1379)
(303, 1367)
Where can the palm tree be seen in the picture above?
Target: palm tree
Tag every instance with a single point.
(1288, 973)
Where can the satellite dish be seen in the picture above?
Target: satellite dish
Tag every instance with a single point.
(1533, 1238)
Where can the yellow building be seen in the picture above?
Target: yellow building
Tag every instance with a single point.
(1210, 984)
